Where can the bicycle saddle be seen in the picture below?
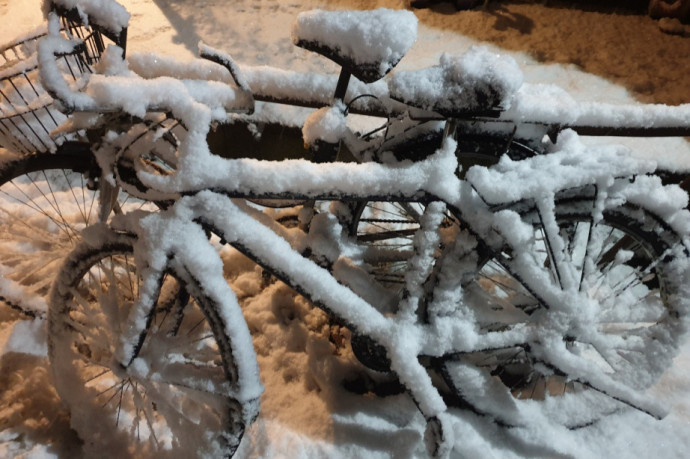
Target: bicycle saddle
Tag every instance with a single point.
(476, 81)
(366, 43)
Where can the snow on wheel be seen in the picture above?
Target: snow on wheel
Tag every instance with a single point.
(175, 398)
(388, 228)
(46, 200)
(625, 268)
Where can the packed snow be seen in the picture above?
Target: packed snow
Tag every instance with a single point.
(305, 410)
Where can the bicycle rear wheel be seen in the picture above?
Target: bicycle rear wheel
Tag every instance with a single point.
(387, 228)
(45, 201)
(176, 398)
(625, 264)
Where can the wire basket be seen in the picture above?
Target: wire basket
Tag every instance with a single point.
(28, 114)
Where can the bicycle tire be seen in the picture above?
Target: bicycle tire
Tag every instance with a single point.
(385, 225)
(639, 314)
(175, 399)
(46, 200)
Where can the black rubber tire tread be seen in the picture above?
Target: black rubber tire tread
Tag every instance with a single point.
(77, 160)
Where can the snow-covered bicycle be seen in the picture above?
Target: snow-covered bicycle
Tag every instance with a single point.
(529, 297)
(58, 193)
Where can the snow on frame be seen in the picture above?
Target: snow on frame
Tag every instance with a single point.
(571, 164)
(624, 434)
(529, 105)
(268, 249)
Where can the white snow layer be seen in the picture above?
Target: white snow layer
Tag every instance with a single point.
(327, 124)
(105, 13)
(477, 79)
(391, 425)
(377, 38)
(562, 109)
(571, 165)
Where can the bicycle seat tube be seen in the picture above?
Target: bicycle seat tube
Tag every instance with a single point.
(324, 152)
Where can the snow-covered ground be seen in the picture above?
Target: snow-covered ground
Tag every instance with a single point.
(305, 411)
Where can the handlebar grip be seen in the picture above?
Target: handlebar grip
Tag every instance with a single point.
(224, 59)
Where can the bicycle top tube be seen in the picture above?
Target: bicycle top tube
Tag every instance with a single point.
(313, 90)
(524, 105)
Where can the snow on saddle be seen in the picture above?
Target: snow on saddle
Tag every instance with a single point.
(477, 81)
(366, 43)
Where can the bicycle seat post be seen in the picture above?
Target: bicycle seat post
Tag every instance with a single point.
(368, 45)
(324, 152)
(341, 87)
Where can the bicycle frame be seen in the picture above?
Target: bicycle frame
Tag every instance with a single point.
(263, 240)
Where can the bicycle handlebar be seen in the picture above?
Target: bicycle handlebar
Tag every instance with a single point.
(76, 29)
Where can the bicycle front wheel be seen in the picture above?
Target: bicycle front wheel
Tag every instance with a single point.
(176, 398)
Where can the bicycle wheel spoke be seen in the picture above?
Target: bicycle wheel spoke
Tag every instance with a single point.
(92, 378)
(44, 209)
(619, 266)
(36, 206)
(146, 408)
